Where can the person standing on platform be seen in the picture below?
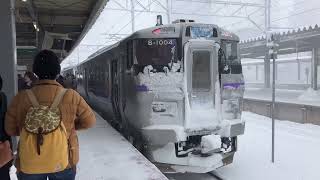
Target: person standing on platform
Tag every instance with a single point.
(46, 118)
(29, 80)
(21, 82)
(60, 80)
(5, 140)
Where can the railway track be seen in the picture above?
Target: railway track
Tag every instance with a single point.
(216, 175)
(194, 176)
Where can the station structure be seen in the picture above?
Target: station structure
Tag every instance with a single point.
(30, 25)
(295, 41)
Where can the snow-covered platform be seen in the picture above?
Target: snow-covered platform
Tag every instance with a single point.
(301, 106)
(299, 97)
(297, 148)
(106, 155)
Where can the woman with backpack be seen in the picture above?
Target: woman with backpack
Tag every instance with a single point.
(46, 118)
(5, 140)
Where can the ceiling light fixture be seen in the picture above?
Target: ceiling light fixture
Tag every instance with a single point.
(35, 26)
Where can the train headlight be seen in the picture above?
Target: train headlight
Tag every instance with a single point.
(164, 108)
(158, 107)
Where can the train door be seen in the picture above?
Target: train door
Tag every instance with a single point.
(201, 62)
(115, 89)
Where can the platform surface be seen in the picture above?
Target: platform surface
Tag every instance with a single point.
(106, 155)
(299, 97)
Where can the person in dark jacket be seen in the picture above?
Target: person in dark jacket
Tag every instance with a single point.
(60, 80)
(21, 82)
(4, 138)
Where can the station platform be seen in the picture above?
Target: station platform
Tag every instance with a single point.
(106, 154)
(307, 97)
(300, 106)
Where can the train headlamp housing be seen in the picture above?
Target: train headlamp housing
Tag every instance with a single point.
(158, 107)
(164, 108)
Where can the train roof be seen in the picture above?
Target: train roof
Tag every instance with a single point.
(172, 33)
(100, 51)
(165, 31)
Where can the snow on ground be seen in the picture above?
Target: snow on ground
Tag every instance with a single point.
(304, 97)
(296, 156)
(310, 95)
(106, 155)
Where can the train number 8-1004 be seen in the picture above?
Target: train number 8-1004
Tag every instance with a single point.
(160, 42)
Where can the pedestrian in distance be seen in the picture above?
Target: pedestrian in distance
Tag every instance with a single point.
(5, 140)
(21, 82)
(29, 80)
(46, 118)
(60, 80)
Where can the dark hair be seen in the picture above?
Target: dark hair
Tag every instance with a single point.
(46, 65)
(0, 83)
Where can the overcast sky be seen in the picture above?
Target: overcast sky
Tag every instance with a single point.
(285, 14)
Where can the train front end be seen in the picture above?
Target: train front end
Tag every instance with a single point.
(195, 105)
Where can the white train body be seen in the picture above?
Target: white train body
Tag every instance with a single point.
(174, 90)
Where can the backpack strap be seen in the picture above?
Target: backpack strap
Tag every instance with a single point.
(32, 98)
(58, 99)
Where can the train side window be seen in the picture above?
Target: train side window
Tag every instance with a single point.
(129, 54)
(106, 80)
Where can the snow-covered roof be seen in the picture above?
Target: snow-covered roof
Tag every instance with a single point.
(293, 32)
(292, 41)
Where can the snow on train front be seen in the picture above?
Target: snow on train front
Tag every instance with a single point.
(205, 92)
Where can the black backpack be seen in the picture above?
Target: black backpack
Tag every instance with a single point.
(3, 110)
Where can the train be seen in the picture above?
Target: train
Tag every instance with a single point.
(175, 91)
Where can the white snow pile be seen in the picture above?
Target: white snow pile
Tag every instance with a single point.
(202, 120)
(297, 148)
(160, 81)
(210, 143)
(310, 95)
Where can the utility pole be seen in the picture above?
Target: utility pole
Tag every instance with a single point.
(267, 33)
(132, 15)
(273, 53)
(169, 10)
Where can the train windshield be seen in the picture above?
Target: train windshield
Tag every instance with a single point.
(230, 51)
(197, 32)
(155, 51)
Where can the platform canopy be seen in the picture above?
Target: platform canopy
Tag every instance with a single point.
(52, 24)
(292, 41)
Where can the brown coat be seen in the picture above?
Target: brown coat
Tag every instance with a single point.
(76, 113)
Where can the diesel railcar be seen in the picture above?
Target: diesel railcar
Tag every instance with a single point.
(175, 91)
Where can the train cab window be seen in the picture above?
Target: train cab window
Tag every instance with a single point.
(201, 32)
(229, 57)
(230, 50)
(155, 52)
